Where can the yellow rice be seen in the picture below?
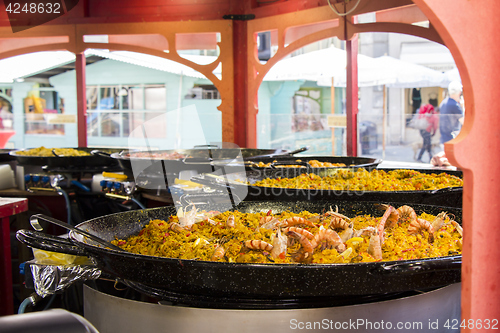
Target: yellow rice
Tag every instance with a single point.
(363, 180)
(200, 242)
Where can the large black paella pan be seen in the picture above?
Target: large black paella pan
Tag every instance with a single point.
(270, 281)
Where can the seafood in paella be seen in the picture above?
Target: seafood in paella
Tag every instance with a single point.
(363, 180)
(51, 152)
(312, 163)
(327, 238)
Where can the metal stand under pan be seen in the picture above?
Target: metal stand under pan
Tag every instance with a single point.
(201, 301)
(436, 310)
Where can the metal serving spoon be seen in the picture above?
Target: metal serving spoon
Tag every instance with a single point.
(36, 225)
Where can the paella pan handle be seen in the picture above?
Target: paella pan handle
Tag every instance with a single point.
(205, 199)
(36, 225)
(411, 268)
(213, 181)
(197, 160)
(447, 190)
(278, 164)
(206, 146)
(42, 241)
(296, 151)
(98, 152)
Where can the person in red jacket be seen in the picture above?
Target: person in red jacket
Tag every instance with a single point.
(428, 112)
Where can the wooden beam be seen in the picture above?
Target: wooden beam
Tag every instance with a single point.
(475, 149)
(244, 124)
(352, 96)
(81, 97)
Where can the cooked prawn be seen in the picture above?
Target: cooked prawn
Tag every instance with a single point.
(337, 214)
(187, 219)
(279, 245)
(388, 220)
(327, 238)
(212, 222)
(419, 225)
(375, 246)
(174, 226)
(296, 220)
(218, 253)
(406, 214)
(306, 250)
(257, 244)
(301, 231)
(230, 222)
(347, 233)
(265, 219)
(368, 231)
(270, 222)
(338, 223)
(439, 221)
(459, 229)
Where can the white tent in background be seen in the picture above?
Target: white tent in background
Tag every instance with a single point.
(22, 66)
(451, 75)
(321, 65)
(17, 67)
(394, 73)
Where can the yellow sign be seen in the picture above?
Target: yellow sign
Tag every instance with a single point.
(337, 120)
(60, 118)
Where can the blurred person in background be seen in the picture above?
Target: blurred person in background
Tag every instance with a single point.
(427, 112)
(451, 113)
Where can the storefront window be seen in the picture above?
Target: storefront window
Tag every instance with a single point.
(6, 115)
(132, 103)
(41, 107)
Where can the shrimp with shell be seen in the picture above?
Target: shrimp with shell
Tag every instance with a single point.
(336, 214)
(187, 218)
(419, 225)
(326, 238)
(375, 246)
(257, 244)
(296, 220)
(459, 229)
(306, 250)
(279, 245)
(439, 221)
(388, 220)
(406, 214)
(219, 253)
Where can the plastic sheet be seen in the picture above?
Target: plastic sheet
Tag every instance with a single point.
(49, 279)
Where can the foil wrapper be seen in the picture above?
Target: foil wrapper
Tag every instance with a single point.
(49, 279)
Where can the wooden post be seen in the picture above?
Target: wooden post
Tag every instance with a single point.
(475, 149)
(332, 97)
(244, 128)
(81, 96)
(352, 96)
(384, 121)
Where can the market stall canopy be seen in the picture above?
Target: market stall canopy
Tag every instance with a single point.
(452, 75)
(396, 73)
(30, 64)
(161, 64)
(432, 55)
(321, 65)
(17, 67)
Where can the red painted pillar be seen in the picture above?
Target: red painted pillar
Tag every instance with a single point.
(352, 96)
(8, 207)
(7, 304)
(470, 31)
(241, 114)
(81, 95)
